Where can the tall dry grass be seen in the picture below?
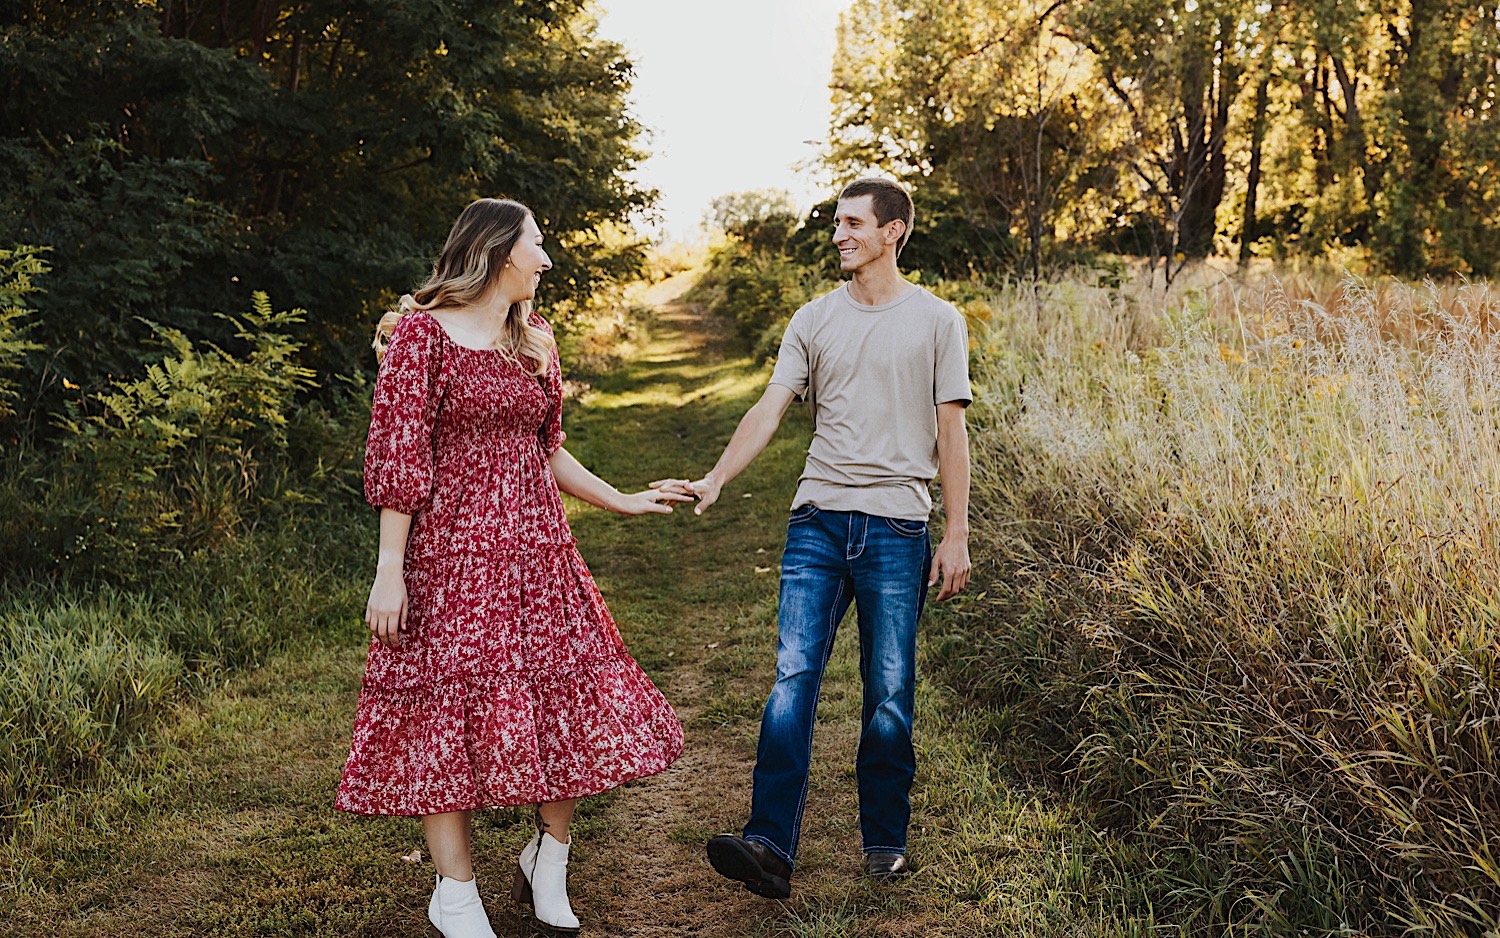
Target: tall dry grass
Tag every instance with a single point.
(1249, 587)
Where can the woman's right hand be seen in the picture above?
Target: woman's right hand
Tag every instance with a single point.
(385, 613)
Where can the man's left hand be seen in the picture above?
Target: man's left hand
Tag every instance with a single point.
(950, 562)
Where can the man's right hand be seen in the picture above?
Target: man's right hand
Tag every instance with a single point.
(706, 490)
(751, 436)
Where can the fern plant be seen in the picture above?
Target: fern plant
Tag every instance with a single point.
(18, 266)
(174, 458)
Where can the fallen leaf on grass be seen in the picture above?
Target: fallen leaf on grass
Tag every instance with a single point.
(762, 569)
(414, 857)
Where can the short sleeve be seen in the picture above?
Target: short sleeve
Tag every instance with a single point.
(550, 433)
(950, 373)
(791, 361)
(403, 417)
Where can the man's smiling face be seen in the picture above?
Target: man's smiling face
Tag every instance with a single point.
(858, 234)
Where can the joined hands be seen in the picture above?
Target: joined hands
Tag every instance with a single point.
(705, 490)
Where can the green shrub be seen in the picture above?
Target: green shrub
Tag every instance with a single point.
(89, 668)
(754, 289)
(758, 287)
(186, 523)
(758, 290)
(177, 460)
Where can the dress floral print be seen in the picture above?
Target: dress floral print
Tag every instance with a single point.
(511, 685)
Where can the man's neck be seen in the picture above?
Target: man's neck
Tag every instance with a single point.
(878, 283)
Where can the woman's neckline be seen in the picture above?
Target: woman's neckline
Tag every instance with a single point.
(449, 336)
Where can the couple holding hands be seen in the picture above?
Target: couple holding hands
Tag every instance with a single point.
(496, 676)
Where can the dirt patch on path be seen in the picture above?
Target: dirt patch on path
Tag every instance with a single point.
(647, 874)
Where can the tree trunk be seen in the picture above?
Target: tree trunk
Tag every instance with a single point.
(1361, 154)
(1206, 109)
(260, 28)
(1252, 179)
(1317, 145)
(293, 79)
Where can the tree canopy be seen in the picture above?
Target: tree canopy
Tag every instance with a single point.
(1180, 129)
(175, 156)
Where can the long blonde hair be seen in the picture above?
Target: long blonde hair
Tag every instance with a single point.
(470, 264)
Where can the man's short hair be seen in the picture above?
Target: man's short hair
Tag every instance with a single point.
(890, 200)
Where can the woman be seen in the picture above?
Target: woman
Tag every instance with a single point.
(495, 676)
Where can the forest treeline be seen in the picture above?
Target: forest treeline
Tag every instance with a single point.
(171, 172)
(1042, 136)
(1039, 130)
(174, 157)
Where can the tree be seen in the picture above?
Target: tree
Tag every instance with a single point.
(763, 218)
(179, 155)
(1176, 71)
(1439, 192)
(984, 108)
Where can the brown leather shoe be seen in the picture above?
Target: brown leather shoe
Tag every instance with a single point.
(752, 863)
(886, 866)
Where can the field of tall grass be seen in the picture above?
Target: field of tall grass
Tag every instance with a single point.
(1242, 546)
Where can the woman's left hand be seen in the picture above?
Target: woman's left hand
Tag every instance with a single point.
(650, 501)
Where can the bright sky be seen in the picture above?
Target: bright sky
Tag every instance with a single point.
(730, 92)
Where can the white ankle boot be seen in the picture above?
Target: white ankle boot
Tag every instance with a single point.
(456, 911)
(544, 866)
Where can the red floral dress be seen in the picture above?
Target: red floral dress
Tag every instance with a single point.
(511, 685)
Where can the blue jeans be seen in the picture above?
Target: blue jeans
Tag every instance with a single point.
(831, 559)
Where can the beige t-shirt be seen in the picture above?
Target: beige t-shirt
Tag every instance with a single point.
(877, 374)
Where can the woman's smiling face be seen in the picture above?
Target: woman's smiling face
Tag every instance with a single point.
(527, 260)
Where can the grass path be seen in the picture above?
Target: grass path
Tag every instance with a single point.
(224, 825)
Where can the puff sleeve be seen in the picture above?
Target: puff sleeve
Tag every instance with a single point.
(403, 417)
(550, 433)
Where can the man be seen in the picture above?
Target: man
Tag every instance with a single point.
(885, 367)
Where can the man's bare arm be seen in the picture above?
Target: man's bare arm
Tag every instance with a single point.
(750, 437)
(951, 559)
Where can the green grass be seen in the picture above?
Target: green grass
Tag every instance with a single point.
(86, 672)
